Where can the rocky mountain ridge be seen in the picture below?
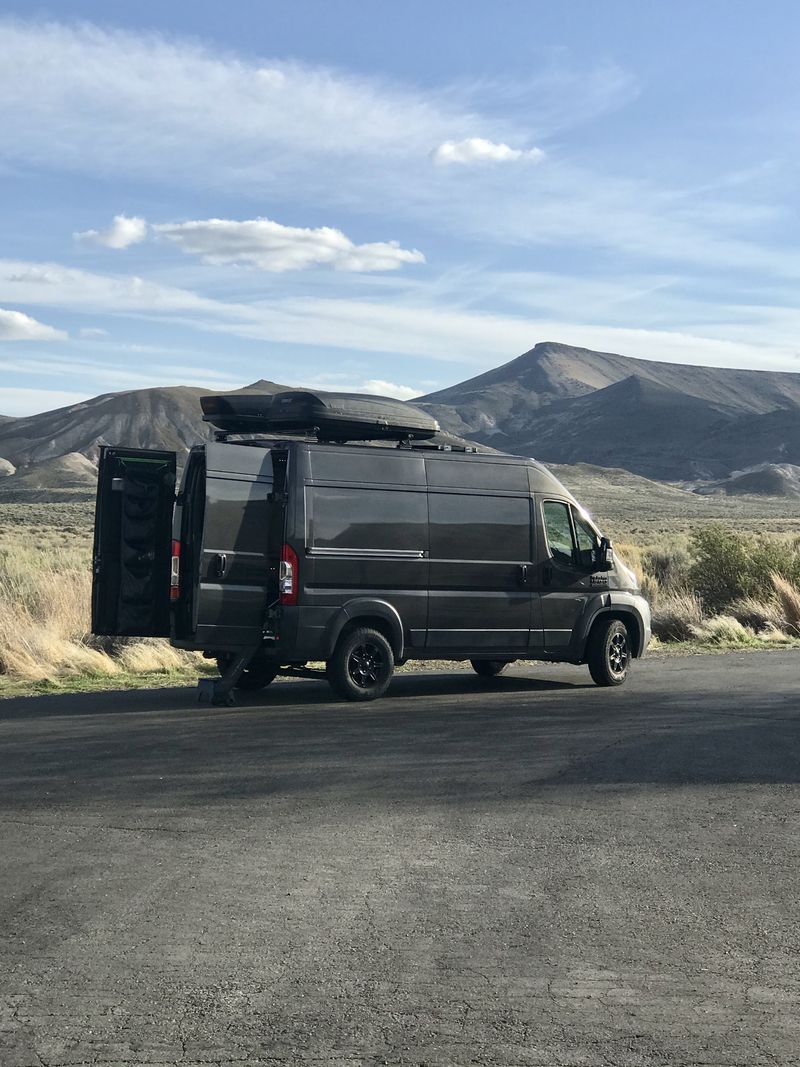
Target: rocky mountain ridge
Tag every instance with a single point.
(559, 403)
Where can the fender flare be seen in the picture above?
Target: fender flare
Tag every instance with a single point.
(366, 608)
(616, 606)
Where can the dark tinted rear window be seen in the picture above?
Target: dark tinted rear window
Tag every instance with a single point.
(480, 527)
(236, 515)
(471, 473)
(368, 518)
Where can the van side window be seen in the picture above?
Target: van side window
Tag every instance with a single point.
(587, 538)
(558, 531)
(487, 528)
(368, 518)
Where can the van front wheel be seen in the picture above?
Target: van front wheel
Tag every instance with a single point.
(361, 666)
(608, 652)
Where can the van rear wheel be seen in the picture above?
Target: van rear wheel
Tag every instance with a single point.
(608, 652)
(361, 666)
(489, 668)
(257, 675)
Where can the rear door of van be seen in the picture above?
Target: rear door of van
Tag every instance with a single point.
(233, 589)
(132, 542)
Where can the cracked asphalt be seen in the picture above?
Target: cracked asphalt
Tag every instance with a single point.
(535, 872)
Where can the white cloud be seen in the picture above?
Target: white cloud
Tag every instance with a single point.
(16, 326)
(123, 232)
(479, 150)
(271, 246)
(92, 333)
(21, 402)
(339, 383)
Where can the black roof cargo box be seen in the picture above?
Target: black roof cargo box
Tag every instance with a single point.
(330, 416)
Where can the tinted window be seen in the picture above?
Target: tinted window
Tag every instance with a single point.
(388, 465)
(236, 515)
(368, 518)
(474, 474)
(558, 531)
(587, 538)
(480, 527)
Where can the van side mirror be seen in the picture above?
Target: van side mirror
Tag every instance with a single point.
(605, 555)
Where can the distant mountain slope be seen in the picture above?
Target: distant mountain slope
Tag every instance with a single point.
(506, 398)
(636, 424)
(556, 402)
(663, 420)
(766, 479)
(167, 418)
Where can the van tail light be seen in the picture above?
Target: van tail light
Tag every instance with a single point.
(288, 576)
(175, 572)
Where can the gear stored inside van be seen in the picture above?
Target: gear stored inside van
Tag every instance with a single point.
(280, 551)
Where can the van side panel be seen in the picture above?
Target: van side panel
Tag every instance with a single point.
(481, 555)
(361, 530)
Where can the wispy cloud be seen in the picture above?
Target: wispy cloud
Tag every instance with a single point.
(123, 232)
(270, 246)
(16, 326)
(411, 325)
(478, 150)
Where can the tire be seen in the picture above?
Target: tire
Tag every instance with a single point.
(489, 668)
(361, 666)
(608, 652)
(257, 675)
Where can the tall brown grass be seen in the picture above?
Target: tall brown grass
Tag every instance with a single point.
(789, 597)
(45, 597)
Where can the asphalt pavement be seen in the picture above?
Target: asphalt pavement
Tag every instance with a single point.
(532, 872)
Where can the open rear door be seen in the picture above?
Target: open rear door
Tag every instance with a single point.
(132, 542)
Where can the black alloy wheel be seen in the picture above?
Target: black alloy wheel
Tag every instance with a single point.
(609, 652)
(362, 665)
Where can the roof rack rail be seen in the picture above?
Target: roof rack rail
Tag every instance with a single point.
(433, 447)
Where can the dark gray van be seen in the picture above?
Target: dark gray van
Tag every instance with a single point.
(279, 552)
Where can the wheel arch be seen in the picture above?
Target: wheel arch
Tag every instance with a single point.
(626, 615)
(378, 614)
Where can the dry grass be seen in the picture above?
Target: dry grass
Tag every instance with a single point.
(677, 617)
(761, 616)
(45, 592)
(724, 630)
(789, 597)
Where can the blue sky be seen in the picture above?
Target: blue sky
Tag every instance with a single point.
(390, 197)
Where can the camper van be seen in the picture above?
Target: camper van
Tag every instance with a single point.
(293, 541)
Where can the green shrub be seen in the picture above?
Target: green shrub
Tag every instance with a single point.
(668, 565)
(730, 566)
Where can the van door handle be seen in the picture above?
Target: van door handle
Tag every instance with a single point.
(523, 573)
(221, 563)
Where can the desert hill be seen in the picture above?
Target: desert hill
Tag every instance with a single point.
(662, 420)
(765, 479)
(168, 418)
(556, 402)
(552, 371)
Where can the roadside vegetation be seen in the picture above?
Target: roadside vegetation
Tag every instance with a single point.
(720, 587)
(715, 588)
(45, 638)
